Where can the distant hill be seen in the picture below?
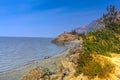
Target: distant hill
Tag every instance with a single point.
(93, 25)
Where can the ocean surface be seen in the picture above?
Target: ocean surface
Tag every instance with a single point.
(16, 52)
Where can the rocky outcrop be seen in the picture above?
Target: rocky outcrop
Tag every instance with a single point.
(63, 38)
(68, 40)
(38, 73)
(65, 71)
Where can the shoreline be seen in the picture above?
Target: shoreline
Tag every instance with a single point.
(17, 73)
(38, 60)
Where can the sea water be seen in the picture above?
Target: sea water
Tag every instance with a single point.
(16, 52)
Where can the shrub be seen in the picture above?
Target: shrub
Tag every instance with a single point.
(101, 42)
(73, 32)
(93, 65)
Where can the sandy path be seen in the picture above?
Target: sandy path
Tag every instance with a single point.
(116, 60)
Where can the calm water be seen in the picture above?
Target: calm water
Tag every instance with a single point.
(15, 52)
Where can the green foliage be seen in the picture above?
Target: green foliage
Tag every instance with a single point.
(73, 32)
(101, 42)
(111, 20)
(116, 27)
(111, 10)
(94, 65)
(110, 16)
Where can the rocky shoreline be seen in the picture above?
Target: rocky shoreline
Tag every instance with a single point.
(49, 63)
(16, 74)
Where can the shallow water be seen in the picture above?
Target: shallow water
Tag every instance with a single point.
(15, 52)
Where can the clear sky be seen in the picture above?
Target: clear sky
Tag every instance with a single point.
(48, 18)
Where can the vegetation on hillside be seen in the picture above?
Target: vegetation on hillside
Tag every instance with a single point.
(100, 42)
(104, 40)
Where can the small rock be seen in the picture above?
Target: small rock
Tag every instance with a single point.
(46, 57)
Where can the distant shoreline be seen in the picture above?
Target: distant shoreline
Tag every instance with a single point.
(24, 37)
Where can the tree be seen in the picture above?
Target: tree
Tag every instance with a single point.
(73, 32)
(109, 19)
(111, 10)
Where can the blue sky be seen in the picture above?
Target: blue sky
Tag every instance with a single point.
(48, 18)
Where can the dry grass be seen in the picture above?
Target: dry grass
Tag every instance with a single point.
(93, 65)
(32, 75)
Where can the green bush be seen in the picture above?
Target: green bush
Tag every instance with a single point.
(101, 42)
